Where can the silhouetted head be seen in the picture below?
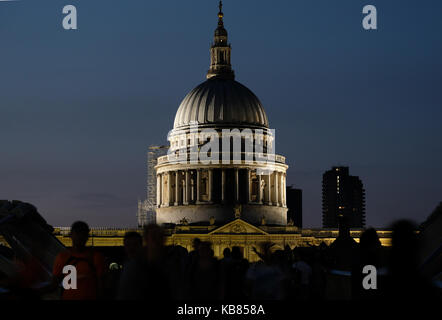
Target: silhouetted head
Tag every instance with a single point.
(133, 242)
(79, 234)
(153, 235)
(226, 253)
(404, 246)
(369, 240)
(278, 257)
(236, 253)
(196, 243)
(205, 250)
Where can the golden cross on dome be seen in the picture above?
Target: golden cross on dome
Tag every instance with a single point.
(220, 13)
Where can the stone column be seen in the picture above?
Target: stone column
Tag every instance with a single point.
(177, 187)
(269, 188)
(210, 182)
(158, 203)
(248, 187)
(281, 192)
(161, 189)
(169, 189)
(236, 185)
(187, 188)
(281, 176)
(276, 188)
(192, 182)
(164, 185)
(284, 203)
(198, 176)
(260, 194)
(223, 182)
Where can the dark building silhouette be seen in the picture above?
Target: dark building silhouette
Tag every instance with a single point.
(294, 205)
(342, 195)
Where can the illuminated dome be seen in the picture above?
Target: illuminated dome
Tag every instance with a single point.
(243, 180)
(221, 102)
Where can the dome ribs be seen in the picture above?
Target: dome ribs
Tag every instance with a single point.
(221, 102)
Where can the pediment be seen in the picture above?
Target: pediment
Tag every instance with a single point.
(238, 226)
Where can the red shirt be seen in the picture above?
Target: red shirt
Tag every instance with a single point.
(90, 269)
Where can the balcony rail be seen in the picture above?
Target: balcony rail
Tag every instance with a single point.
(250, 156)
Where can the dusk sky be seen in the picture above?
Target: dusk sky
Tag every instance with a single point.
(79, 108)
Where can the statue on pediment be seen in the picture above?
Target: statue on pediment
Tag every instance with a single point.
(263, 221)
(237, 211)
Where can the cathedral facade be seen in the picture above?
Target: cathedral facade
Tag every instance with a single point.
(221, 180)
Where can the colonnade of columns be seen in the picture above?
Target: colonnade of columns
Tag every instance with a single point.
(214, 185)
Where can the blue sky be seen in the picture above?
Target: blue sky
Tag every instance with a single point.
(79, 108)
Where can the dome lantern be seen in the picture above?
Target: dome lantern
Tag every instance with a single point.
(220, 52)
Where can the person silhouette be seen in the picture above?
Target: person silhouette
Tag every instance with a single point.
(368, 253)
(404, 282)
(89, 264)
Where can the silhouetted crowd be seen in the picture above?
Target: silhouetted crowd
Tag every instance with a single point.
(153, 271)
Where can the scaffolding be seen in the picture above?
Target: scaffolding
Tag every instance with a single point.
(146, 209)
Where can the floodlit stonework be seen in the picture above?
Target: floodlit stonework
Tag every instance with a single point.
(223, 122)
(235, 233)
(239, 200)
